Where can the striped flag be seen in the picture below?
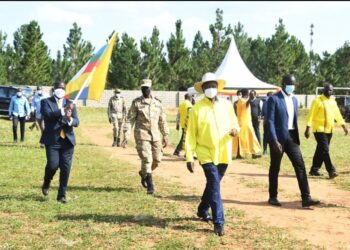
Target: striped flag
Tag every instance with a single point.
(90, 80)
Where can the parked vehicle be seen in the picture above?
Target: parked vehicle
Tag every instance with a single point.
(6, 93)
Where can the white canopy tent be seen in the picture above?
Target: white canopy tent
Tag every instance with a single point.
(237, 76)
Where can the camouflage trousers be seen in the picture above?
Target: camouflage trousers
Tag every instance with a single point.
(150, 153)
(117, 126)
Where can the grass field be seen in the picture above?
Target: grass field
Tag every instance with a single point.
(108, 208)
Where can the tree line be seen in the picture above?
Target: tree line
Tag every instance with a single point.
(171, 65)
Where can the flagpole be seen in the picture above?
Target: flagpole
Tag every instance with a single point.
(87, 81)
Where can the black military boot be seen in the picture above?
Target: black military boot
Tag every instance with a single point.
(114, 142)
(118, 142)
(150, 188)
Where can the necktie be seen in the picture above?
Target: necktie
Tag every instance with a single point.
(60, 105)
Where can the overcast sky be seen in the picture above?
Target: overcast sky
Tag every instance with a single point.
(99, 19)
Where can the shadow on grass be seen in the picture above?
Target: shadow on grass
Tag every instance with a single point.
(143, 220)
(285, 204)
(24, 197)
(103, 189)
(140, 219)
(187, 198)
(265, 175)
(93, 189)
(174, 159)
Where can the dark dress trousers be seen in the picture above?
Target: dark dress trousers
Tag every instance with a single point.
(277, 126)
(59, 151)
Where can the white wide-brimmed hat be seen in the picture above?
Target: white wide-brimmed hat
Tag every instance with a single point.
(209, 77)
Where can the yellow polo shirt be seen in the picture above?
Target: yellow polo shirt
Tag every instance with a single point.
(208, 131)
(322, 114)
(183, 110)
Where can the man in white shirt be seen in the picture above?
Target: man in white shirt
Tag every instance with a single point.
(283, 137)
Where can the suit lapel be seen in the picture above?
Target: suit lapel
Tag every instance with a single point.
(52, 103)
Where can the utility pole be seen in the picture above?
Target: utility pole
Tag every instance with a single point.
(311, 54)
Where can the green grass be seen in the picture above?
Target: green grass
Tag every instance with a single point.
(108, 208)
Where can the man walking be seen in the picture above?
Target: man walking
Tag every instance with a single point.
(19, 111)
(283, 137)
(255, 109)
(323, 112)
(60, 116)
(146, 114)
(184, 109)
(116, 115)
(209, 134)
(36, 107)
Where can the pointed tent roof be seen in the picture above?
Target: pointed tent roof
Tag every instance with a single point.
(237, 75)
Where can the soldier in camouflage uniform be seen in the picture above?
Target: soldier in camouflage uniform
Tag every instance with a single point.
(116, 115)
(147, 115)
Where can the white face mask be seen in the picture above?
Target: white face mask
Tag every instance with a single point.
(117, 95)
(40, 92)
(59, 93)
(19, 94)
(211, 92)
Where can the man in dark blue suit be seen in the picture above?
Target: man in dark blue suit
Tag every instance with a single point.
(283, 137)
(60, 116)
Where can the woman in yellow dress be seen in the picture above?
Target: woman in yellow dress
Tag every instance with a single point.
(247, 143)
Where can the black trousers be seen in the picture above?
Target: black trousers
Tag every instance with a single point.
(322, 153)
(60, 156)
(179, 145)
(22, 121)
(292, 150)
(265, 138)
(256, 122)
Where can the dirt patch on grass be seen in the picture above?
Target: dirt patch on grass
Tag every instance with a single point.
(326, 225)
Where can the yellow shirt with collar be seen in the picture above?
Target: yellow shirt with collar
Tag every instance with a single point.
(183, 110)
(208, 131)
(322, 114)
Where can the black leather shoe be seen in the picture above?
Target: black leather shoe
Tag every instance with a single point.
(309, 202)
(315, 173)
(149, 181)
(45, 189)
(219, 229)
(62, 199)
(333, 175)
(143, 180)
(204, 217)
(176, 153)
(274, 202)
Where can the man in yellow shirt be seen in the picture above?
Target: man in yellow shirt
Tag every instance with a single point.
(184, 108)
(211, 125)
(323, 112)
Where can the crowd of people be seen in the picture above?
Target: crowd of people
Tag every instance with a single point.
(214, 131)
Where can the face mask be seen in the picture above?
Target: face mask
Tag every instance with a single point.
(19, 94)
(40, 92)
(59, 93)
(211, 92)
(117, 95)
(289, 89)
(146, 92)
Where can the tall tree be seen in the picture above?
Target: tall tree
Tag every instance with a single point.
(34, 62)
(286, 54)
(3, 64)
(77, 52)
(200, 57)
(124, 70)
(342, 58)
(220, 40)
(153, 60)
(256, 61)
(242, 41)
(178, 60)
